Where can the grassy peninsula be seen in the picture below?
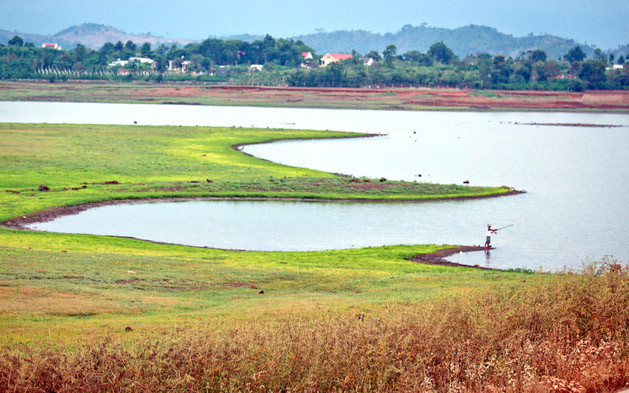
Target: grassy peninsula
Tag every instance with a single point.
(94, 313)
(92, 163)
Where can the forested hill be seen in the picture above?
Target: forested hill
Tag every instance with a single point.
(463, 41)
(90, 35)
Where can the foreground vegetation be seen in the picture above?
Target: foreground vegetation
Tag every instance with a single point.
(93, 313)
(560, 333)
(57, 287)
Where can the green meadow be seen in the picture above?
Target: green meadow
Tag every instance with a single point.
(77, 161)
(69, 284)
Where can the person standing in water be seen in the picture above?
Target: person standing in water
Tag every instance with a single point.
(490, 231)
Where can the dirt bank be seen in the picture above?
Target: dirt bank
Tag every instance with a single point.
(314, 97)
(438, 257)
(586, 125)
(401, 98)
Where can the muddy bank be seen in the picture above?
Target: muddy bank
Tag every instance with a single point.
(587, 125)
(386, 98)
(438, 257)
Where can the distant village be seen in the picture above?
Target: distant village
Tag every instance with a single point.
(287, 62)
(180, 66)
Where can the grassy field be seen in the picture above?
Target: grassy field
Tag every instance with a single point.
(93, 313)
(79, 163)
(59, 287)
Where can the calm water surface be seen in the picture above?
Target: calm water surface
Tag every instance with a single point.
(576, 208)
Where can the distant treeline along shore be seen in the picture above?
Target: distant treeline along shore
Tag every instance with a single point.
(281, 61)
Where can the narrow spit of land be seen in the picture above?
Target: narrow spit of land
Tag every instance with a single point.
(305, 97)
(61, 166)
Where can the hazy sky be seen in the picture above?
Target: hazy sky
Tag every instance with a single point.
(604, 23)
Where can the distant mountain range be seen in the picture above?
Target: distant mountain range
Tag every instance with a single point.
(462, 40)
(91, 35)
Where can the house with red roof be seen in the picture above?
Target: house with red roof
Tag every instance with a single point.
(564, 76)
(306, 59)
(330, 58)
(51, 45)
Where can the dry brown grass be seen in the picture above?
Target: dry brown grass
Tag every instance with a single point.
(560, 333)
(27, 300)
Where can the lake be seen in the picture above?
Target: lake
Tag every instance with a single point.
(575, 208)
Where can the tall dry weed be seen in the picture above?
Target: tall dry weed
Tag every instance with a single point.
(563, 333)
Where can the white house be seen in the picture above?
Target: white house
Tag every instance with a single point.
(367, 61)
(142, 60)
(125, 63)
(51, 45)
(118, 63)
(330, 58)
(256, 67)
(182, 68)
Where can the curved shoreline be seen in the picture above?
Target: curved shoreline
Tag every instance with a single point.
(59, 211)
(238, 147)
(433, 258)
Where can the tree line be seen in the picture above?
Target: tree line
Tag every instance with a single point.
(23, 60)
(215, 60)
(440, 67)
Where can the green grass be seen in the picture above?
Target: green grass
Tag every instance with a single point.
(75, 162)
(489, 94)
(62, 287)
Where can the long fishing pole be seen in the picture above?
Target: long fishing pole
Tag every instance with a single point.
(510, 225)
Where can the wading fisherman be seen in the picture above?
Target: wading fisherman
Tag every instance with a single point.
(490, 231)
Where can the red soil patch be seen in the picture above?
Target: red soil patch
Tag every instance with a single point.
(449, 94)
(367, 186)
(403, 97)
(605, 97)
(537, 93)
(369, 98)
